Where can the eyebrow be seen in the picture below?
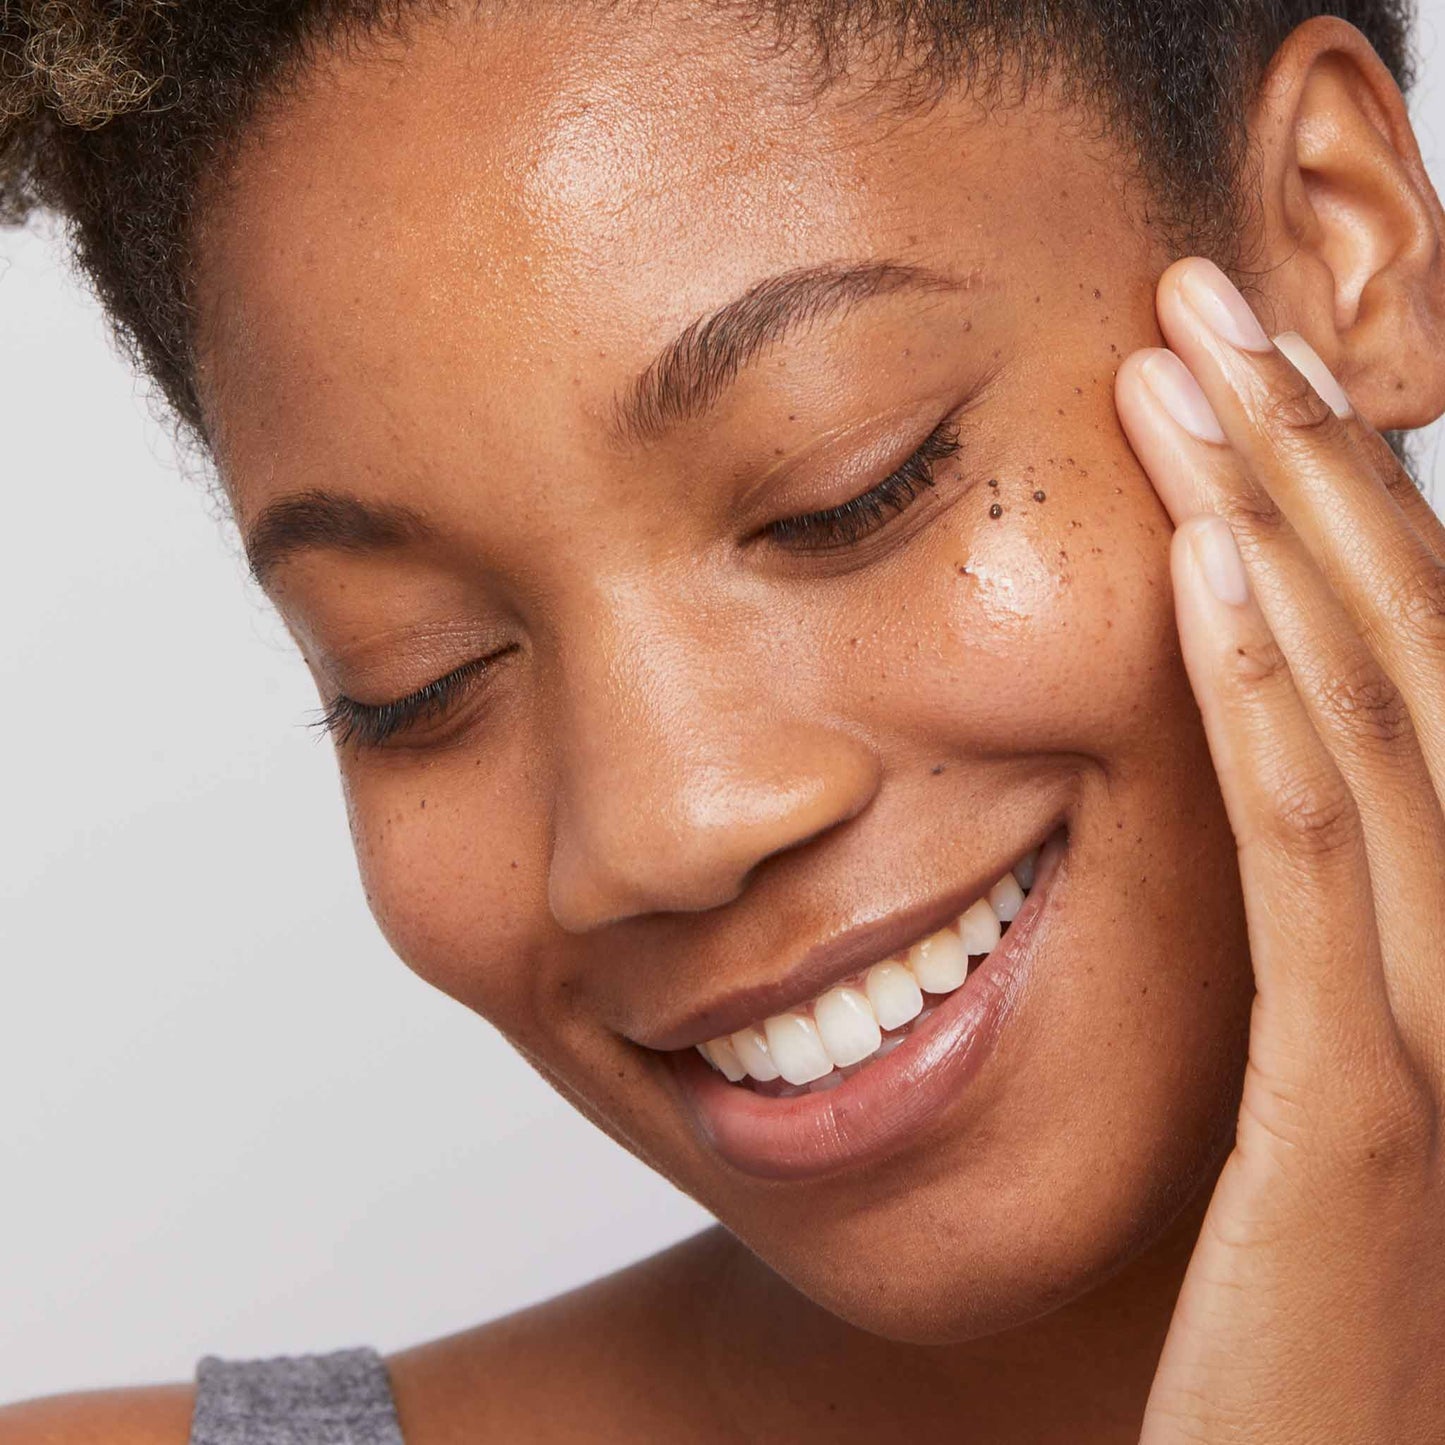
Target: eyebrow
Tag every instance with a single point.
(329, 521)
(685, 380)
(691, 373)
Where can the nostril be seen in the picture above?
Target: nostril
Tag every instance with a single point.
(687, 836)
(585, 896)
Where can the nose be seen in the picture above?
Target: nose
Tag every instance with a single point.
(682, 765)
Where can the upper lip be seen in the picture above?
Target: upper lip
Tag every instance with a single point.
(826, 962)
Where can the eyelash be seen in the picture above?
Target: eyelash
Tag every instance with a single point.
(370, 725)
(850, 522)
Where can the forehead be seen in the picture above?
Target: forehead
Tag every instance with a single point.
(436, 233)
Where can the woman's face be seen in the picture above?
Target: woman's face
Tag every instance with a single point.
(715, 764)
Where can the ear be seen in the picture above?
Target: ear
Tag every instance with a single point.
(1350, 228)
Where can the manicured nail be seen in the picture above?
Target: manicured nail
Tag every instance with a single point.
(1220, 306)
(1219, 560)
(1176, 390)
(1306, 360)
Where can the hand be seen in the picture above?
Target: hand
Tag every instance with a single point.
(1309, 580)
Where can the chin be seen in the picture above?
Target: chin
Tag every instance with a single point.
(973, 1267)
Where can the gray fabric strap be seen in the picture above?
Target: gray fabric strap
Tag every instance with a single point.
(340, 1399)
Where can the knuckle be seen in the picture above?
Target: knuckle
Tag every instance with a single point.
(1256, 664)
(1398, 479)
(1311, 818)
(1285, 1112)
(1395, 1141)
(1420, 606)
(1367, 703)
(1251, 511)
(1291, 407)
(1378, 459)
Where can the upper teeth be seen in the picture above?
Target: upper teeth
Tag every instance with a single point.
(844, 1024)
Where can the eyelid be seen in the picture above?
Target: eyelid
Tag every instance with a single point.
(851, 521)
(374, 724)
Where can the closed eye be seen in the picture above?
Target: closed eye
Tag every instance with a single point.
(850, 522)
(373, 724)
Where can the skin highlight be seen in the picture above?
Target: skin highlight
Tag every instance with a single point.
(697, 754)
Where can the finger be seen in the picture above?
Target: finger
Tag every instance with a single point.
(1397, 479)
(1381, 459)
(1417, 510)
(1350, 700)
(1307, 889)
(1332, 476)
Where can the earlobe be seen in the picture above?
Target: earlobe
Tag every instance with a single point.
(1352, 229)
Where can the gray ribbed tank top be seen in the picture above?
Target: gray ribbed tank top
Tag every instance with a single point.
(340, 1399)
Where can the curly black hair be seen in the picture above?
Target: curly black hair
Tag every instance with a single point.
(114, 112)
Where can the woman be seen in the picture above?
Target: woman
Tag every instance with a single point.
(719, 463)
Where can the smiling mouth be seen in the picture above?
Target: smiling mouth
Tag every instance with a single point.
(816, 1045)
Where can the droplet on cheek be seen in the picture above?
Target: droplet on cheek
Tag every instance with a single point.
(1009, 584)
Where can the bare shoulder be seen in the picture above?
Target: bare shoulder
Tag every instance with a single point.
(146, 1415)
(613, 1360)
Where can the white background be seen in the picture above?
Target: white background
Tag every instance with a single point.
(230, 1120)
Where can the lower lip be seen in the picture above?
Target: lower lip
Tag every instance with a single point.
(882, 1107)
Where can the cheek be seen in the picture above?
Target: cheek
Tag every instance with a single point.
(1049, 626)
(452, 891)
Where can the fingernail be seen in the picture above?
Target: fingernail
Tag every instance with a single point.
(1306, 360)
(1176, 390)
(1220, 306)
(1219, 559)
